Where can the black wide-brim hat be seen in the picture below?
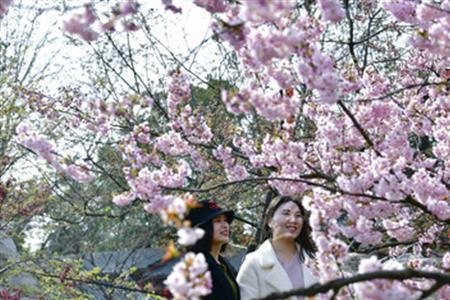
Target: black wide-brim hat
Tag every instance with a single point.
(206, 211)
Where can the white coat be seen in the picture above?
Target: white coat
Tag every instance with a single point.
(262, 274)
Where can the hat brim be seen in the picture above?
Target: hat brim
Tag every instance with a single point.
(229, 214)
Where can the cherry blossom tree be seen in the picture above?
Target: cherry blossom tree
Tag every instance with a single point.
(343, 102)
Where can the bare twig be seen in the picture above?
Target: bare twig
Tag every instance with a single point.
(351, 34)
(400, 90)
(101, 283)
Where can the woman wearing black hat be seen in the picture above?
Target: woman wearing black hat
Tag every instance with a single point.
(216, 223)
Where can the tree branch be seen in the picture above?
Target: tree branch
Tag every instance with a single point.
(94, 282)
(411, 86)
(351, 44)
(359, 127)
(408, 198)
(245, 221)
(247, 180)
(386, 245)
(122, 56)
(441, 279)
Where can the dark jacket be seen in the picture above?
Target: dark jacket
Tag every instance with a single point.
(221, 287)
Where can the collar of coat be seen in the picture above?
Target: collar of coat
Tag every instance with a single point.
(273, 273)
(269, 257)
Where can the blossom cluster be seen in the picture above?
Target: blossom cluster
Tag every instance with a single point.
(173, 210)
(4, 6)
(82, 24)
(213, 6)
(261, 11)
(333, 252)
(44, 148)
(273, 106)
(432, 20)
(168, 5)
(232, 29)
(234, 170)
(149, 183)
(382, 288)
(179, 92)
(183, 119)
(287, 158)
(331, 10)
(190, 278)
(269, 51)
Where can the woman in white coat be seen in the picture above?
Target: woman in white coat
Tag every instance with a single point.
(278, 264)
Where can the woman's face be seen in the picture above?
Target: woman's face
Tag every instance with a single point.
(221, 230)
(287, 221)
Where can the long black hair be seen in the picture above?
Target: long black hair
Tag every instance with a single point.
(304, 238)
(205, 243)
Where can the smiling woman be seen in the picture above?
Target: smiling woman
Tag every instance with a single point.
(279, 263)
(216, 223)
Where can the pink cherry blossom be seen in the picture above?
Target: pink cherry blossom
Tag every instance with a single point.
(40, 145)
(213, 6)
(179, 91)
(171, 143)
(158, 204)
(399, 230)
(124, 198)
(446, 261)
(369, 265)
(234, 170)
(427, 13)
(232, 29)
(261, 11)
(237, 103)
(175, 211)
(331, 10)
(4, 6)
(380, 288)
(80, 24)
(129, 26)
(430, 234)
(128, 7)
(168, 5)
(146, 185)
(402, 10)
(190, 278)
(189, 236)
(79, 172)
(443, 292)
